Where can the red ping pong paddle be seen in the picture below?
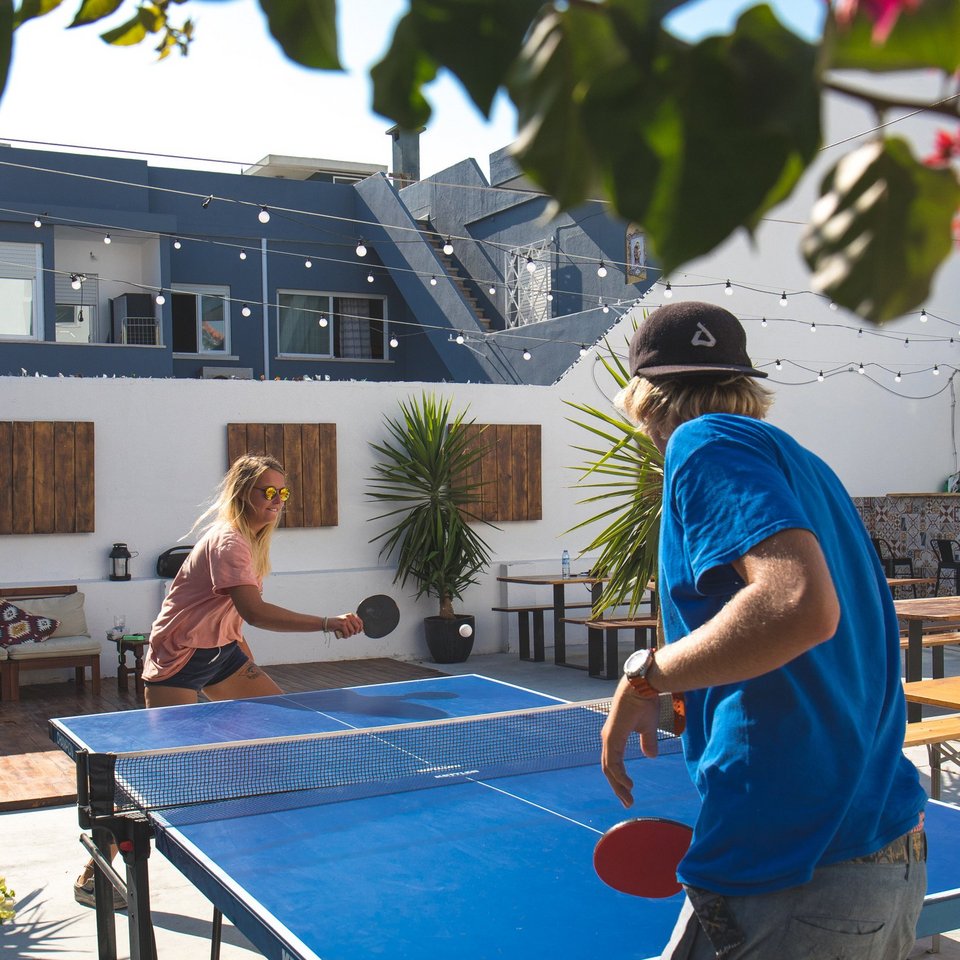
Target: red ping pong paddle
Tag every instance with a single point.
(380, 615)
(640, 856)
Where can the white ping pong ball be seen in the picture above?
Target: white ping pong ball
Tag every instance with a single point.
(465, 630)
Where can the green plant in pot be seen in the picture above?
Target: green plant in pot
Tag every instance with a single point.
(424, 474)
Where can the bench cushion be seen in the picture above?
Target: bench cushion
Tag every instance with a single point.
(18, 626)
(54, 647)
(68, 610)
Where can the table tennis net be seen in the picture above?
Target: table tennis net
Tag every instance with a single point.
(355, 763)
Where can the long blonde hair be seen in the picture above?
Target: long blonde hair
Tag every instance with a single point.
(662, 405)
(230, 501)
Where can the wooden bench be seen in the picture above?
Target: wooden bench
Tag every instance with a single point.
(534, 611)
(936, 641)
(80, 652)
(933, 734)
(603, 636)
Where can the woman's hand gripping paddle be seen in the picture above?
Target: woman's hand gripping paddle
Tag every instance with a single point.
(380, 615)
(640, 856)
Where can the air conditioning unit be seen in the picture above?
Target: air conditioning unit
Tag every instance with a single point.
(226, 373)
(135, 320)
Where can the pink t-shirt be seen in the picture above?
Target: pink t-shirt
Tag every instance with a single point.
(198, 612)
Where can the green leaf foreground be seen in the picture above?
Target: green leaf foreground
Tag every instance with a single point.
(691, 141)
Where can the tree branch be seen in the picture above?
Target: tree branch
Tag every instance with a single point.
(948, 106)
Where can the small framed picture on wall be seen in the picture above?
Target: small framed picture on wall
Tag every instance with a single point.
(636, 258)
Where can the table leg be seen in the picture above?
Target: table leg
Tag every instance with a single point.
(559, 634)
(613, 654)
(138, 667)
(523, 628)
(121, 667)
(914, 665)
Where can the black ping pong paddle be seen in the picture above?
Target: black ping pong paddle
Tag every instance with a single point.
(380, 615)
(640, 856)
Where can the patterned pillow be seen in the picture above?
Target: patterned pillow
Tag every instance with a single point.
(18, 626)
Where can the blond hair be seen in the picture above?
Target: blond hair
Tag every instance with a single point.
(662, 405)
(230, 502)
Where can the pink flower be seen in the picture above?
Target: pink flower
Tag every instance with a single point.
(946, 146)
(884, 13)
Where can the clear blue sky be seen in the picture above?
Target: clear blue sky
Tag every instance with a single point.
(237, 98)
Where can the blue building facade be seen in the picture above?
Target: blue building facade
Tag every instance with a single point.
(301, 269)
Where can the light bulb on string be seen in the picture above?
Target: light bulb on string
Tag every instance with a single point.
(460, 337)
(783, 299)
(492, 290)
(936, 370)
(107, 239)
(394, 343)
(549, 298)
(531, 266)
(860, 369)
(322, 321)
(583, 350)
(264, 215)
(779, 364)
(897, 378)
(361, 248)
(433, 281)
(308, 263)
(820, 376)
(923, 316)
(601, 270)
(605, 308)
(160, 298)
(447, 247)
(728, 289)
(526, 354)
(37, 222)
(832, 305)
(668, 290)
(813, 328)
(906, 342)
(763, 321)
(860, 333)
(243, 254)
(75, 281)
(245, 310)
(369, 278)
(177, 244)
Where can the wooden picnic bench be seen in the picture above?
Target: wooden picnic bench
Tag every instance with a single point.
(936, 641)
(603, 641)
(934, 734)
(533, 611)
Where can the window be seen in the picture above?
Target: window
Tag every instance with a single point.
(528, 276)
(21, 267)
(76, 308)
(201, 320)
(324, 325)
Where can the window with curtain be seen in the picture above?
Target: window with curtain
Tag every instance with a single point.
(21, 290)
(201, 319)
(326, 325)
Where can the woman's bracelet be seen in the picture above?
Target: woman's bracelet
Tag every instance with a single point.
(324, 627)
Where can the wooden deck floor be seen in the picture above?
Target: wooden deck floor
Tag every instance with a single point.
(34, 773)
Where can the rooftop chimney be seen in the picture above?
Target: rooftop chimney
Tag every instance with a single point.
(406, 155)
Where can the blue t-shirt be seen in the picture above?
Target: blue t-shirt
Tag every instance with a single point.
(801, 767)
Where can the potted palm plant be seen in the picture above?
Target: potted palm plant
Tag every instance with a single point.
(423, 477)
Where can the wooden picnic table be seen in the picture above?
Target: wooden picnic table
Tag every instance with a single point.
(918, 613)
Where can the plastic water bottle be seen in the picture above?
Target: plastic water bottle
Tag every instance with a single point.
(565, 563)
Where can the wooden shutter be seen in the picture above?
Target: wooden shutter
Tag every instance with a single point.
(308, 453)
(50, 465)
(509, 471)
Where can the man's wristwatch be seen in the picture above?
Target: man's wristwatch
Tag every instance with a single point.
(636, 668)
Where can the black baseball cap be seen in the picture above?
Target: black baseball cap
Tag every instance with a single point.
(690, 338)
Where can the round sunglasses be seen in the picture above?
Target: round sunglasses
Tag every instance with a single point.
(271, 492)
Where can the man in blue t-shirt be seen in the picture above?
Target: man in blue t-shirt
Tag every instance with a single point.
(780, 631)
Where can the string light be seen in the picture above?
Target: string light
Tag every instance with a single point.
(668, 290)
(243, 254)
(531, 266)
(583, 350)
(322, 321)
(492, 291)
(107, 239)
(177, 244)
(897, 378)
(783, 299)
(369, 278)
(549, 298)
(820, 376)
(245, 310)
(763, 321)
(923, 315)
(779, 364)
(264, 215)
(728, 290)
(601, 270)
(460, 337)
(75, 281)
(433, 281)
(936, 370)
(308, 263)
(860, 334)
(813, 328)
(160, 298)
(37, 222)
(605, 308)
(832, 305)
(526, 354)
(361, 249)
(448, 247)
(394, 343)
(860, 369)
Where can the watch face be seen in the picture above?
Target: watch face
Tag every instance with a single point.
(637, 663)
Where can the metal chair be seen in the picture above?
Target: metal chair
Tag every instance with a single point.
(889, 560)
(948, 561)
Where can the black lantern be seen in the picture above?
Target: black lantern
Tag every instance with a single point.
(120, 562)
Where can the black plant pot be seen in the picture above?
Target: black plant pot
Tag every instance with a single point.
(444, 641)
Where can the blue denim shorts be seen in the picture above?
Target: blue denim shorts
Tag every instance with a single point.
(861, 909)
(207, 666)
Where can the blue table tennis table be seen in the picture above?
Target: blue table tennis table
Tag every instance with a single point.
(471, 866)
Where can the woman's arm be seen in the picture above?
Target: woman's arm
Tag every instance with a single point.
(268, 616)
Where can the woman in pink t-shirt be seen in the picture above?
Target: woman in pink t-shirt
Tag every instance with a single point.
(197, 640)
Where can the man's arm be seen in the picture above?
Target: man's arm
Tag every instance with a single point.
(787, 606)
